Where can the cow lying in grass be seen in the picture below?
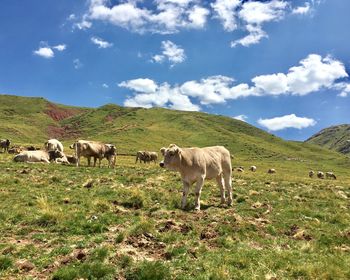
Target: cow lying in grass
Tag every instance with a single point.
(38, 156)
(197, 164)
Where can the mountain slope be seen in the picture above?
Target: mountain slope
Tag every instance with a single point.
(33, 120)
(336, 138)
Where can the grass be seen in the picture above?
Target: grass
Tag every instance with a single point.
(129, 225)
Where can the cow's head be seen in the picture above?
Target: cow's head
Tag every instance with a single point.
(172, 157)
(53, 155)
(111, 150)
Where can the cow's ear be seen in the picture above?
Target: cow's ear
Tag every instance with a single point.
(162, 150)
(177, 150)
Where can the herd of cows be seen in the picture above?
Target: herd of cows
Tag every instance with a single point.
(194, 164)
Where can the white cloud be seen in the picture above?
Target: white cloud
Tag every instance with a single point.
(105, 86)
(140, 85)
(102, 44)
(313, 74)
(83, 24)
(256, 13)
(242, 118)
(171, 52)
(288, 121)
(77, 63)
(45, 52)
(168, 16)
(60, 48)
(302, 10)
(254, 36)
(344, 88)
(225, 11)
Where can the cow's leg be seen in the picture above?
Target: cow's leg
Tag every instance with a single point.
(198, 191)
(228, 186)
(95, 159)
(99, 162)
(78, 160)
(89, 161)
(221, 183)
(186, 187)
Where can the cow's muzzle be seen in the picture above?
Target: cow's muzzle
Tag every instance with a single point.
(161, 164)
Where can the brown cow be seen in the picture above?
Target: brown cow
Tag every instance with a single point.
(5, 145)
(198, 164)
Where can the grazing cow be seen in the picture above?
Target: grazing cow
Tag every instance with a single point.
(5, 144)
(271, 171)
(97, 150)
(320, 175)
(53, 144)
(252, 168)
(331, 175)
(146, 156)
(38, 156)
(198, 164)
(311, 173)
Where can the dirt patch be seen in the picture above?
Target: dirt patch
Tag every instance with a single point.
(63, 132)
(297, 233)
(57, 113)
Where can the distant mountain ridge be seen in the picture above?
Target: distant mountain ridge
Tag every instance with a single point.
(335, 138)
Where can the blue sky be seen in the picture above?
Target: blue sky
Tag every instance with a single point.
(280, 65)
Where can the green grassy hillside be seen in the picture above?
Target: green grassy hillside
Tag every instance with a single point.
(33, 120)
(336, 138)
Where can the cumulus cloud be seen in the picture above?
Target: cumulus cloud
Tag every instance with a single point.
(102, 44)
(47, 51)
(254, 14)
(242, 118)
(313, 74)
(171, 52)
(302, 10)
(225, 11)
(166, 16)
(287, 121)
(105, 86)
(140, 85)
(172, 16)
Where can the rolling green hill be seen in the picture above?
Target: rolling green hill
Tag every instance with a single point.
(33, 120)
(336, 138)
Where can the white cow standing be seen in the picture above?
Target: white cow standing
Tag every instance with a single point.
(197, 164)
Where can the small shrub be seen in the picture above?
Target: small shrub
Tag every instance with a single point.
(66, 273)
(99, 254)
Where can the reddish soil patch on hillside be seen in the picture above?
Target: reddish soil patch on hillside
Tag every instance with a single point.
(58, 114)
(62, 132)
